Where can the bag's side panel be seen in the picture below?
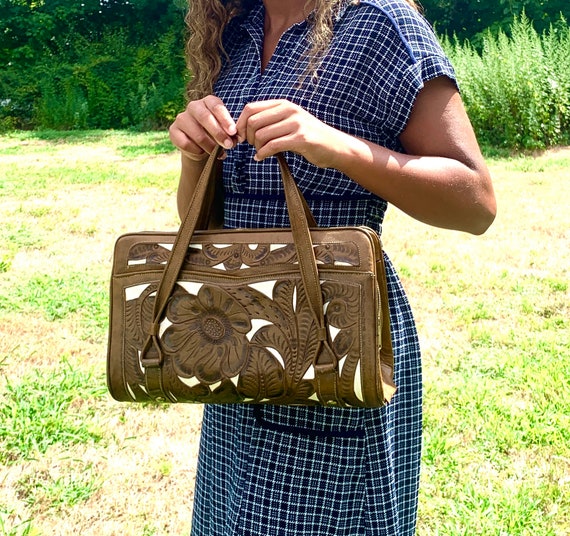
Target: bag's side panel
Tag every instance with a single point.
(238, 325)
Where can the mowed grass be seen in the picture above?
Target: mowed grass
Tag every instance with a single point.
(493, 315)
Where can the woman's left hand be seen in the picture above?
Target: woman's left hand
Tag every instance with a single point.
(273, 126)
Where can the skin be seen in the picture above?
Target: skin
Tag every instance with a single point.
(442, 180)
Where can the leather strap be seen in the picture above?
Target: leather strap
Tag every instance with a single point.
(196, 218)
(325, 361)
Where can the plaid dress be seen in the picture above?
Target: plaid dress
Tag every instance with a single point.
(318, 471)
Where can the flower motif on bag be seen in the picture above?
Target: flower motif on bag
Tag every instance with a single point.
(207, 337)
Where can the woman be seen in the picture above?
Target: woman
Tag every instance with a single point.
(364, 102)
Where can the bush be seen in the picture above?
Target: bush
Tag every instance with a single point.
(517, 89)
(516, 86)
(102, 83)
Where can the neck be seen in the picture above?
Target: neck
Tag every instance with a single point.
(281, 14)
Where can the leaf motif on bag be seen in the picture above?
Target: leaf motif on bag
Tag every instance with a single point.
(184, 393)
(224, 394)
(235, 256)
(274, 337)
(324, 254)
(285, 254)
(343, 303)
(302, 394)
(305, 336)
(138, 315)
(263, 377)
(343, 342)
(133, 333)
(195, 256)
(283, 298)
(148, 253)
(252, 256)
(134, 376)
(347, 379)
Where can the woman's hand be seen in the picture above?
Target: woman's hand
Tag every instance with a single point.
(273, 126)
(196, 131)
(204, 124)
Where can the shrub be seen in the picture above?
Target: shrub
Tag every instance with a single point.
(517, 89)
(109, 83)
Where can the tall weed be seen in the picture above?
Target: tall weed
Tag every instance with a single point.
(517, 89)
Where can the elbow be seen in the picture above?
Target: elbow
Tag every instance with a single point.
(481, 224)
(484, 204)
(484, 215)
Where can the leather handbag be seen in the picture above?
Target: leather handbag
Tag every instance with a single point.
(294, 316)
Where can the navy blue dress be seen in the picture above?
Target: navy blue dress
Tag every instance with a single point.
(315, 471)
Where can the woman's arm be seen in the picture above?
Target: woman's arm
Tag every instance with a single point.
(443, 181)
(196, 131)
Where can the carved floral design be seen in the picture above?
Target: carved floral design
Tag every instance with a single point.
(235, 256)
(250, 339)
(207, 335)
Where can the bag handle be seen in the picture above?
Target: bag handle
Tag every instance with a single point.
(301, 218)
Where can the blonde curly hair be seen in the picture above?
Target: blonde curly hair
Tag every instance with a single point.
(207, 19)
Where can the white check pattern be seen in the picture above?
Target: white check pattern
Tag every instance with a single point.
(288, 471)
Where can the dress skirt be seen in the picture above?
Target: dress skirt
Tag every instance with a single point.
(317, 471)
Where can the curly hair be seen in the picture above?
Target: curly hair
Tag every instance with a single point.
(207, 19)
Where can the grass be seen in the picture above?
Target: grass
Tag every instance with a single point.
(47, 408)
(492, 311)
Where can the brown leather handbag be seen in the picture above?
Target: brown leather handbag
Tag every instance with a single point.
(293, 316)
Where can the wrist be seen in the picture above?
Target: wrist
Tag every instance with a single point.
(348, 151)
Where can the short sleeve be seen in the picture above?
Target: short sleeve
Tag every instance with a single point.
(403, 54)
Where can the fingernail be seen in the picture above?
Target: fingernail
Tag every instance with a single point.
(228, 144)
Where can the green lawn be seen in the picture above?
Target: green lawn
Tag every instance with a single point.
(493, 315)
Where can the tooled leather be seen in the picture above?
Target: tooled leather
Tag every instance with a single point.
(216, 338)
(236, 256)
(207, 337)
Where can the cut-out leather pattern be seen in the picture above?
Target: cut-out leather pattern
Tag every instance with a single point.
(277, 316)
(236, 256)
(213, 352)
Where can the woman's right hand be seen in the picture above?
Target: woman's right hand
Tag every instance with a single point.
(204, 124)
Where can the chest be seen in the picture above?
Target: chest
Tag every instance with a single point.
(276, 68)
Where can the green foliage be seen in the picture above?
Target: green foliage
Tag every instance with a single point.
(517, 89)
(45, 409)
(57, 298)
(119, 64)
(8, 527)
(70, 65)
(468, 19)
(42, 489)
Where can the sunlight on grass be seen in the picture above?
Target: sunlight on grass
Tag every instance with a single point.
(493, 314)
(37, 413)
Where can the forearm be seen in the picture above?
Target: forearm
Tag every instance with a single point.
(439, 191)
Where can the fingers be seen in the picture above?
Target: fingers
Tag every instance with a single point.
(218, 122)
(204, 124)
(253, 117)
(269, 126)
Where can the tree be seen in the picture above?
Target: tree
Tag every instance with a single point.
(469, 19)
(90, 63)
